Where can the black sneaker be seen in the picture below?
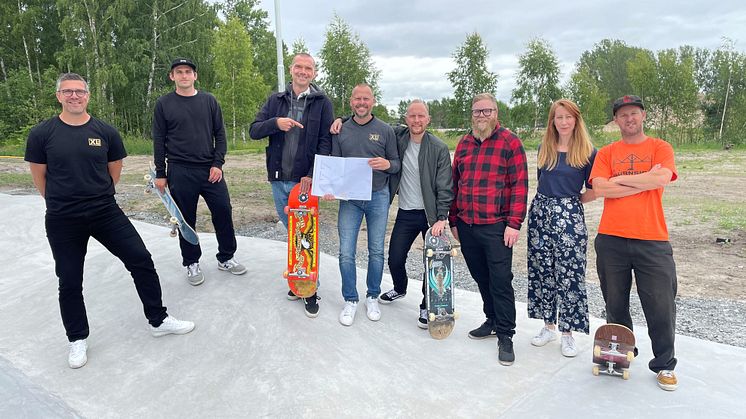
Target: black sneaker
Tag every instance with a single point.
(389, 297)
(312, 306)
(505, 350)
(422, 321)
(292, 297)
(486, 330)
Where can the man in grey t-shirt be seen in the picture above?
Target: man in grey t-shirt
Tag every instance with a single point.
(365, 136)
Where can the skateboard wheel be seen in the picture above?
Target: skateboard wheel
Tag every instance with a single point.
(172, 233)
(625, 374)
(630, 356)
(312, 211)
(454, 252)
(147, 191)
(596, 351)
(147, 178)
(429, 253)
(456, 314)
(596, 370)
(173, 220)
(285, 274)
(431, 316)
(286, 210)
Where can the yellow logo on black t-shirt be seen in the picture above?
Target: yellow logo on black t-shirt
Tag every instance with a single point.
(94, 142)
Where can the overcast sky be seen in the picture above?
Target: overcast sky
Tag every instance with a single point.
(412, 41)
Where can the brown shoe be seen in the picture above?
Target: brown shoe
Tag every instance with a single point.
(667, 380)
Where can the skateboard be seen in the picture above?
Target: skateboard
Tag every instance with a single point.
(303, 242)
(436, 256)
(177, 219)
(613, 350)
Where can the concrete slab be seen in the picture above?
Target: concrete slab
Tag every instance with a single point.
(256, 354)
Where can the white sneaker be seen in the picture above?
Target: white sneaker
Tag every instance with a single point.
(374, 312)
(78, 354)
(172, 326)
(347, 316)
(568, 346)
(194, 274)
(545, 336)
(231, 265)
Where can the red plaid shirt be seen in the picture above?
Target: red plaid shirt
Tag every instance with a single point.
(490, 180)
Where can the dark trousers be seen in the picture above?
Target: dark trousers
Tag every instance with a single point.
(490, 263)
(408, 225)
(68, 237)
(655, 277)
(186, 185)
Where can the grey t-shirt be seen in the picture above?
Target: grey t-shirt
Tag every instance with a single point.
(295, 112)
(410, 191)
(374, 139)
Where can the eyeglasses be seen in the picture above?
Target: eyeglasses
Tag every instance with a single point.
(69, 92)
(486, 112)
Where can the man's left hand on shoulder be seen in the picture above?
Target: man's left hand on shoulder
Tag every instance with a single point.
(216, 175)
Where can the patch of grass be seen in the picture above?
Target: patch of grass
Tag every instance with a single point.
(16, 180)
(729, 215)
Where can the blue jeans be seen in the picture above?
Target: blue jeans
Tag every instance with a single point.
(376, 212)
(280, 192)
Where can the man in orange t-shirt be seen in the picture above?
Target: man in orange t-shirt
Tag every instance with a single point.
(631, 174)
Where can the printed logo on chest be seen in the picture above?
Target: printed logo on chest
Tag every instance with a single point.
(94, 142)
(374, 137)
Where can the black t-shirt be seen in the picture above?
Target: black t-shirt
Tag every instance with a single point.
(77, 159)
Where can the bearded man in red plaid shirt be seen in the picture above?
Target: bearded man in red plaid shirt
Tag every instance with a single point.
(490, 183)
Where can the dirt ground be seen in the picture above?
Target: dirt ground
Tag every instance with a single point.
(706, 203)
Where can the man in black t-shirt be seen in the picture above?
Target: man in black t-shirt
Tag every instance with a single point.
(189, 136)
(75, 162)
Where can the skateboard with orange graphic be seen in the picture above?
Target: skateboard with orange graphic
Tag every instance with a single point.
(303, 242)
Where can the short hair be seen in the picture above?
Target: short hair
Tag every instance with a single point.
(69, 76)
(304, 55)
(413, 101)
(363, 85)
(484, 96)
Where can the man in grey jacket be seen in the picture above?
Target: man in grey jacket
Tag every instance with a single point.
(425, 190)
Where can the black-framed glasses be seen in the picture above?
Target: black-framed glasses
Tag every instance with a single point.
(486, 112)
(69, 92)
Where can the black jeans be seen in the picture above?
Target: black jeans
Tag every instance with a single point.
(68, 237)
(186, 185)
(655, 277)
(408, 225)
(490, 264)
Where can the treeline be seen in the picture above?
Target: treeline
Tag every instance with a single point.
(124, 48)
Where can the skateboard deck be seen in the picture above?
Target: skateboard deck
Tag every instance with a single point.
(436, 256)
(303, 242)
(613, 350)
(176, 219)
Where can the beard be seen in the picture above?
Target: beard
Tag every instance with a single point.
(483, 128)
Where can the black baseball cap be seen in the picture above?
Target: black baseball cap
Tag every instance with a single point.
(183, 61)
(627, 100)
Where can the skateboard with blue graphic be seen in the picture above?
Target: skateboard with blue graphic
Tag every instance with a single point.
(176, 218)
(613, 350)
(303, 242)
(437, 256)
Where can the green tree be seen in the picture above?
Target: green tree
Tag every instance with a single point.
(239, 87)
(299, 45)
(591, 100)
(345, 62)
(606, 63)
(401, 110)
(537, 82)
(471, 76)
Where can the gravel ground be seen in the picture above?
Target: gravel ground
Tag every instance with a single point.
(717, 320)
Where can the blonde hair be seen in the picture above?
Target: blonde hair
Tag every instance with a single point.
(580, 148)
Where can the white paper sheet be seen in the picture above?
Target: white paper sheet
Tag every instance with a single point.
(344, 177)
